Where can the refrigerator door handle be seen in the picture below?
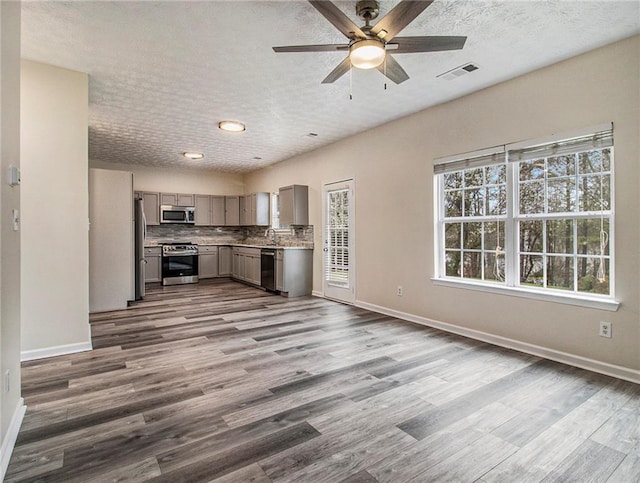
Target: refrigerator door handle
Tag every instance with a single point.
(144, 226)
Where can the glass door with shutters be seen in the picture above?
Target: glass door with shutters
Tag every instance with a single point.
(338, 250)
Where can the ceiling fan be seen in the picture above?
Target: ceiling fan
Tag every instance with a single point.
(372, 45)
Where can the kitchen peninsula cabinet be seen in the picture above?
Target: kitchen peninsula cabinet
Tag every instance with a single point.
(153, 267)
(294, 272)
(207, 261)
(294, 205)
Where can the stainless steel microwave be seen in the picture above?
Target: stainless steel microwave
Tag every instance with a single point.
(177, 214)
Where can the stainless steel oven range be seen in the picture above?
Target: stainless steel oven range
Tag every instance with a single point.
(179, 263)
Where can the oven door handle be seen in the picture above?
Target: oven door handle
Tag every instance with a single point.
(179, 254)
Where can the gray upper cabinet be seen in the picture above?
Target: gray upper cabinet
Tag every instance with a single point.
(294, 205)
(177, 199)
(245, 210)
(260, 209)
(168, 199)
(232, 210)
(212, 210)
(254, 209)
(217, 210)
(151, 206)
(185, 200)
(203, 210)
(209, 210)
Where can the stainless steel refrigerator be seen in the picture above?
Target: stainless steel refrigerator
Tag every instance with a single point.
(140, 231)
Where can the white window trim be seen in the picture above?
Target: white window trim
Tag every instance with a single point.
(547, 295)
(608, 303)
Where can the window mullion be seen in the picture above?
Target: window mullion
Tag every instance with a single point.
(511, 231)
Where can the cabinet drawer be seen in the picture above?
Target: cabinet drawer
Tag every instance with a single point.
(207, 249)
(153, 251)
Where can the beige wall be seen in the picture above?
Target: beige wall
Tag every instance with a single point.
(55, 210)
(392, 166)
(10, 402)
(173, 180)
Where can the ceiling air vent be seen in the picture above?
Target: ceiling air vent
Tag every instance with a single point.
(458, 71)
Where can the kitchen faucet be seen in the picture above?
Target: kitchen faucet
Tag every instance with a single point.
(273, 236)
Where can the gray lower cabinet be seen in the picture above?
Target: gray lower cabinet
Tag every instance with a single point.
(207, 261)
(224, 261)
(294, 272)
(153, 267)
(246, 265)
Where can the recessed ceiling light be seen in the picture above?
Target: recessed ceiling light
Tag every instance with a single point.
(193, 155)
(231, 126)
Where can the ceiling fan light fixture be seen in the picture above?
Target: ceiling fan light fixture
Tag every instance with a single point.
(193, 155)
(232, 126)
(367, 54)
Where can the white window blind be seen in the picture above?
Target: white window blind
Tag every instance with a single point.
(476, 159)
(598, 140)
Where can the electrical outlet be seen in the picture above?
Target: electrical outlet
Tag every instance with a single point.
(605, 329)
(7, 381)
(399, 291)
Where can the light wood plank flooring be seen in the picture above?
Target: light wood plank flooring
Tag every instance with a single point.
(220, 381)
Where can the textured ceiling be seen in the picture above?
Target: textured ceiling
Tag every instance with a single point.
(162, 74)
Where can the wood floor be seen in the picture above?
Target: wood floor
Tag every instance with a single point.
(220, 381)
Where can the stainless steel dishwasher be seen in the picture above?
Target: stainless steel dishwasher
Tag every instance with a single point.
(268, 269)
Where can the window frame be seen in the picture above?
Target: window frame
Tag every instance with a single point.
(512, 284)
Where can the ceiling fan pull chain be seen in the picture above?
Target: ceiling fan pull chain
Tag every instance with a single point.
(385, 72)
(351, 82)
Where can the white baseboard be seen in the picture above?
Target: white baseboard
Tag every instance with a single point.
(55, 351)
(620, 372)
(9, 440)
(316, 293)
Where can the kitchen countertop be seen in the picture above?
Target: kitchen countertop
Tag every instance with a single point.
(149, 244)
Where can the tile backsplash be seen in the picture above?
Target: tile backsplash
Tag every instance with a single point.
(250, 235)
(186, 233)
(299, 236)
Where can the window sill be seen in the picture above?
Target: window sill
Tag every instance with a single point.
(569, 299)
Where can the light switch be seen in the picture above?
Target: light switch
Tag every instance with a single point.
(14, 176)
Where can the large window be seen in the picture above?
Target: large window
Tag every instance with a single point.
(534, 216)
